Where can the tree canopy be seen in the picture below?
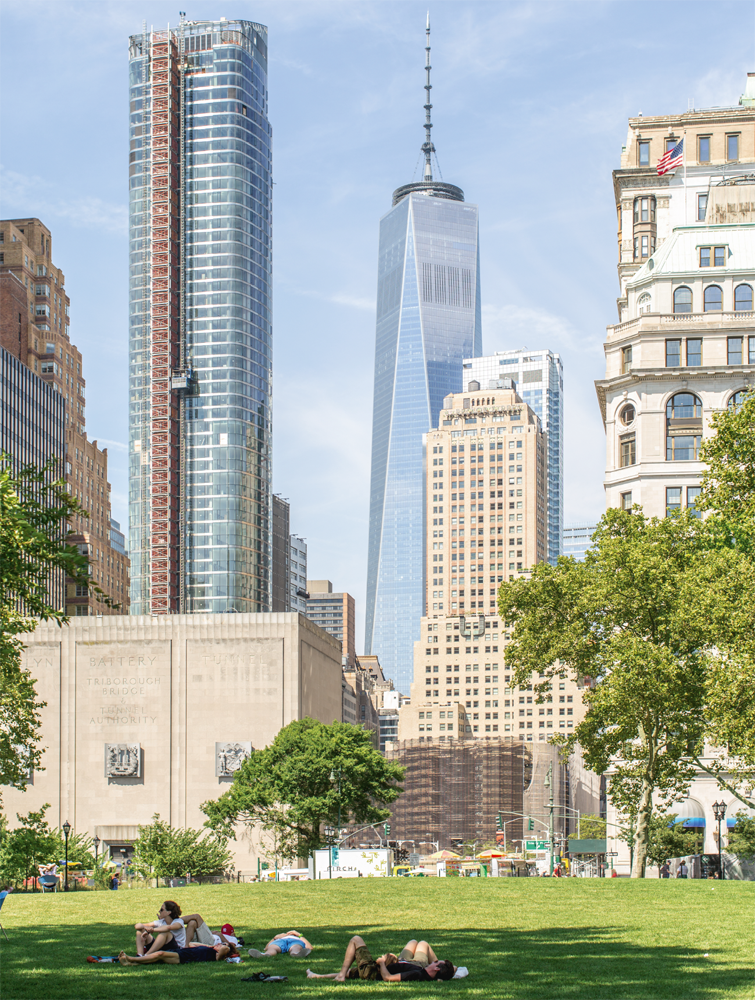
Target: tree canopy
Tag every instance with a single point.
(309, 776)
(164, 851)
(640, 618)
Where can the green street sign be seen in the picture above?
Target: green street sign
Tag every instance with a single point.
(536, 845)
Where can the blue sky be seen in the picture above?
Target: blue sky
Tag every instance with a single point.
(531, 104)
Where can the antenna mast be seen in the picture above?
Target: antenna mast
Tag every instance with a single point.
(427, 146)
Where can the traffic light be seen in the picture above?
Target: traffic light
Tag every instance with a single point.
(498, 823)
(530, 824)
(387, 830)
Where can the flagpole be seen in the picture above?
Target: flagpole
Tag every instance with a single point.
(684, 164)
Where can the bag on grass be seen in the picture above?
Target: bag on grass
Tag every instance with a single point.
(262, 977)
(99, 959)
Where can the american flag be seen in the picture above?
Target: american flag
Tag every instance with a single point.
(672, 159)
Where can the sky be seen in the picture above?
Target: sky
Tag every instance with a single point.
(531, 102)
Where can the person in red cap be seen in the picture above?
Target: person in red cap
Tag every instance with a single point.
(196, 927)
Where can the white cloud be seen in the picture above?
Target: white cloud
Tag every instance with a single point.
(25, 196)
(511, 326)
(339, 299)
(117, 445)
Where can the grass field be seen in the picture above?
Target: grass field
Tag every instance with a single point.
(535, 939)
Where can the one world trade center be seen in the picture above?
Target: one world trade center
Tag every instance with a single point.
(428, 321)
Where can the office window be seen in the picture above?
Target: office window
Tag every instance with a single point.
(673, 353)
(751, 358)
(643, 304)
(734, 351)
(644, 245)
(627, 414)
(683, 300)
(704, 256)
(693, 492)
(671, 141)
(673, 499)
(684, 425)
(636, 247)
(644, 209)
(732, 147)
(736, 400)
(702, 206)
(627, 450)
(743, 298)
(626, 501)
(694, 352)
(719, 256)
(626, 359)
(703, 149)
(713, 299)
(644, 153)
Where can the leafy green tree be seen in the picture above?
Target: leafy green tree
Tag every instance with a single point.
(666, 839)
(310, 776)
(639, 617)
(741, 838)
(32, 843)
(728, 484)
(591, 827)
(34, 511)
(165, 851)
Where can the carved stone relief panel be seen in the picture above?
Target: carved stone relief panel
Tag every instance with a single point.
(229, 757)
(123, 760)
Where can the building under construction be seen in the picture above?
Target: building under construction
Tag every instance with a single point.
(455, 791)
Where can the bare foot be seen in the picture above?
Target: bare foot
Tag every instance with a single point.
(256, 954)
(123, 958)
(312, 975)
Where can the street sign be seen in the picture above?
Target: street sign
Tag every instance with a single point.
(612, 854)
(414, 859)
(536, 845)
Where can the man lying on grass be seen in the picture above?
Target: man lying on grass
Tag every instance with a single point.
(417, 963)
(194, 953)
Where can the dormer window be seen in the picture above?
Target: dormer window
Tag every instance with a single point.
(643, 304)
(712, 256)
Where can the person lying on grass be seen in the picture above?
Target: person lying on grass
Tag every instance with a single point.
(197, 928)
(289, 943)
(194, 953)
(169, 927)
(358, 963)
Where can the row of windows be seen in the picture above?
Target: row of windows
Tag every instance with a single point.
(713, 298)
(703, 148)
(689, 352)
(675, 496)
(684, 428)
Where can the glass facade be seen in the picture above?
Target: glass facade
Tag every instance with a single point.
(220, 314)
(577, 540)
(428, 321)
(539, 378)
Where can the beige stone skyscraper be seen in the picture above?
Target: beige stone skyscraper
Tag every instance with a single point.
(486, 523)
(486, 497)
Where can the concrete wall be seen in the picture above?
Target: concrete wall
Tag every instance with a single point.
(176, 685)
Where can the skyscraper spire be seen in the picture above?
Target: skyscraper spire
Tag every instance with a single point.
(427, 146)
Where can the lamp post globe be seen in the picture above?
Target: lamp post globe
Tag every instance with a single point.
(719, 811)
(66, 831)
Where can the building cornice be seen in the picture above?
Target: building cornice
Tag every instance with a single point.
(637, 376)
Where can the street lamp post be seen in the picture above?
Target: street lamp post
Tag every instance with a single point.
(96, 843)
(719, 811)
(66, 831)
(549, 784)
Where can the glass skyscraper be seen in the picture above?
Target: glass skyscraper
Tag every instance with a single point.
(200, 319)
(428, 321)
(539, 378)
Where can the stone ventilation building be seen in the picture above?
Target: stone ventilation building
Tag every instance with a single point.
(684, 346)
(35, 324)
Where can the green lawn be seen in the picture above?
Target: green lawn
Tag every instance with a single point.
(592, 939)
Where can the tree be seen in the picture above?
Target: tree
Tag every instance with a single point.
(34, 511)
(32, 843)
(728, 484)
(309, 777)
(639, 617)
(164, 851)
(666, 839)
(590, 828)
(741, 838)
